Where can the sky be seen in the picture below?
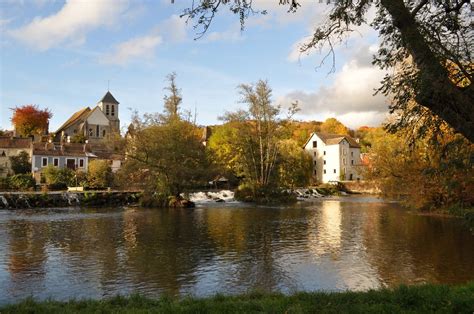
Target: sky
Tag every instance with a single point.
(65, 55)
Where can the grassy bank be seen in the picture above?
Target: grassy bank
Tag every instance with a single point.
(413, 299)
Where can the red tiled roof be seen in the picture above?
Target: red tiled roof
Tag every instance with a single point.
(15, 142)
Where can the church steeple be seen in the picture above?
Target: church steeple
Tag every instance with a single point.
(108, 98)
(110, 107)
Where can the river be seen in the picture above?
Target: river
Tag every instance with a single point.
(354, 243)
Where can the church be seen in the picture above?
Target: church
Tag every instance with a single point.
(94, 125)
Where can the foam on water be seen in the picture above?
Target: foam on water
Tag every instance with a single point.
(212, 197)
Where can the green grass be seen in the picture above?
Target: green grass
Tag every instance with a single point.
(412, 299)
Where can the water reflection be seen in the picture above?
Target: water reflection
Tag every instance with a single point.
(334, 244)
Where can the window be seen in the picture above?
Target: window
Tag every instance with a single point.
(315, 173)
(107, 110)
(315, 162)
(97, 131)
(343, 151)
(315, 154)
(324, 153)
(324, 171)
(334, 170)
(81, 163)
(352, 154)
(103, 133)
(56, 162)
(315, 144)
(90, 132)
(44, 161)
(343, 161)
(324, 161)
(113, 111)
(352, 162)
(3, 154)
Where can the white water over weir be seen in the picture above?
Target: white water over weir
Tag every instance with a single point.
(4, 201)
(226, 196)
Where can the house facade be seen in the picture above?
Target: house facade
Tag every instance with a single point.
(12, 146)
(74, 156)
(95, 125)
(335, 157)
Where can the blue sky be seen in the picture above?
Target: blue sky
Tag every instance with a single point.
(61, 55)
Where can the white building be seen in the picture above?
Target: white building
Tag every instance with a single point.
(335, 157)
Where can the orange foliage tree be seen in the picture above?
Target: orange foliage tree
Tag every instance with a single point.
(29, 120)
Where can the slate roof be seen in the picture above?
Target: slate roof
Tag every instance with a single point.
(333, 139)
(108, 98)
(15, 142)
(75, 116)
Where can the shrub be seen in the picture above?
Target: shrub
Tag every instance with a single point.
(4, 183)
(99, 174)
(21, 164)
(264, 195)
(22, 182)
(58, 177)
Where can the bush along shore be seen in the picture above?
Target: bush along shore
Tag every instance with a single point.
(64, 199)
(411, 299)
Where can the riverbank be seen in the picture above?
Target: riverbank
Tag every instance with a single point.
(413, 299)
(21, 200)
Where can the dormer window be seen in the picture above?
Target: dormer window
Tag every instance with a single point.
(97, 131)
(107, 110)
(91, 132)
(113, 111)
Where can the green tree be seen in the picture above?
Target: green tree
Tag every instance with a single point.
(334, 126)
(99, 174)
(21, 163)
(295, 165)
(165, 154)
(255, 144)
(436, 35)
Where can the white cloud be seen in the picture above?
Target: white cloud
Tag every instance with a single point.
(135, 48)
(174, 29)
(350, 97)
(70, 24)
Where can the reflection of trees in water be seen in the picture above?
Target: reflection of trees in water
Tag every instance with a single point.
(26, 255)
(165, 249)
(245, 240)
(407, 248)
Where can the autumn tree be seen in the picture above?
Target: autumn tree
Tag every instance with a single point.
(173, 99)
(30, 120)
(255, 144)
(334, 126)
(425, 175)
(432, 33)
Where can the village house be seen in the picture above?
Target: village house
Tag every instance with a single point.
(12, 146)
(335, 157)
(94, 125)
(74, 156)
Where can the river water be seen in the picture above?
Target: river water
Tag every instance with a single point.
(353, 243)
